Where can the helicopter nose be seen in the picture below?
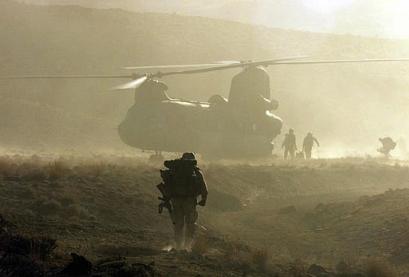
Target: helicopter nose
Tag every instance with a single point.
(122, 131)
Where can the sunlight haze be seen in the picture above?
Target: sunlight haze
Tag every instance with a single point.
(383, 18)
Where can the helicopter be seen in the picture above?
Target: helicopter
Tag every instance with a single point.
(243, 125)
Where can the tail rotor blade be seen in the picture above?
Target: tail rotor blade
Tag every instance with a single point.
(132, 84)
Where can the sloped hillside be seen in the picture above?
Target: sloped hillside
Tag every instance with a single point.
(305, 211)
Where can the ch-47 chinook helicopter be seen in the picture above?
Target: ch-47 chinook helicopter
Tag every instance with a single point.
(241, 126)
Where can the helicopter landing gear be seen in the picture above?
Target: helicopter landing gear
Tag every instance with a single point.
(157, 157)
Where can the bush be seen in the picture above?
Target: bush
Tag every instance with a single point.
(7, 168)
(379, 268)
(21, 255)
(57, 170)
(261, 259)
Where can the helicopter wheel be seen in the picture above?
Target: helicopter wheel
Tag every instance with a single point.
(157, 157)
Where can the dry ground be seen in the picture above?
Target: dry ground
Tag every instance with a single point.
(258, 216)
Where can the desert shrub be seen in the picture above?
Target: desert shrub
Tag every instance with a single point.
(35, 174)
(19, 265)
(232, 253)
(344, 267)
(261, 259)
(238, 257)
(298, 269)
(37, 248)
(22, 255)
(379, 268)
(12, 242)
(42, 248)
(31, 171)
(7, 168)
(96, 170)
(57, 169)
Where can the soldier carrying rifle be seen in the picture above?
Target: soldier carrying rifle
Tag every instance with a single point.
(182, 184)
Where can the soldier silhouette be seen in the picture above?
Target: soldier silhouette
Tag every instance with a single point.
(289, 144)
(308, 143)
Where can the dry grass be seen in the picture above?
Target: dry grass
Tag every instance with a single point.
(379, 268)
(298, 269)
(261, 259)
(119, 197)
(57, 170)
(200, 245)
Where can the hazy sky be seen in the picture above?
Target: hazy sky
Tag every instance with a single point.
(382, 18)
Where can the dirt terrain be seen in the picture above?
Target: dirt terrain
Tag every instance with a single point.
(259, 219)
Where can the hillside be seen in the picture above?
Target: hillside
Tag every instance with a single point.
(70, 39)
(343, 17)
(258, 219)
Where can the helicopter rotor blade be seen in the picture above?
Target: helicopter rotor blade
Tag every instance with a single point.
(228, 62)
(234, 64)
(284, 61)
(132, 84)
(66, 77)
(340, 61)
(158, 67)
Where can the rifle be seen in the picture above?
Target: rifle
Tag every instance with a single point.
(165, 200)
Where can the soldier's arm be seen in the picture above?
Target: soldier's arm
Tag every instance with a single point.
(316, 141)
(202, 186)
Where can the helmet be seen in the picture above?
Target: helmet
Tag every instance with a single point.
(188, 156)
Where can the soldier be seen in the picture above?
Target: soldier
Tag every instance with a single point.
(183, 183)
(308, 144)
(387, 146)
(289, 144)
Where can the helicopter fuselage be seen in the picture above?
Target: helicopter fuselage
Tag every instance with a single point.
(215, 128)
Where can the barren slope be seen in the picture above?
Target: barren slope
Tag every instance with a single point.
(308, 211)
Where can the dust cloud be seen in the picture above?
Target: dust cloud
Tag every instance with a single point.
(66, 172)
(348, 107)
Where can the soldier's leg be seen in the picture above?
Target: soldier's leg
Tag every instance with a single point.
(190, 221)
(292, 154)
(285, 153)
(308, 154)
(178, 222)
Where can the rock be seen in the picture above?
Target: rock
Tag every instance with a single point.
(123, 269)
(78, 266)
(318, 271)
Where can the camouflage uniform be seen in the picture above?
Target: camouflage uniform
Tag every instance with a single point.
(187, 184)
